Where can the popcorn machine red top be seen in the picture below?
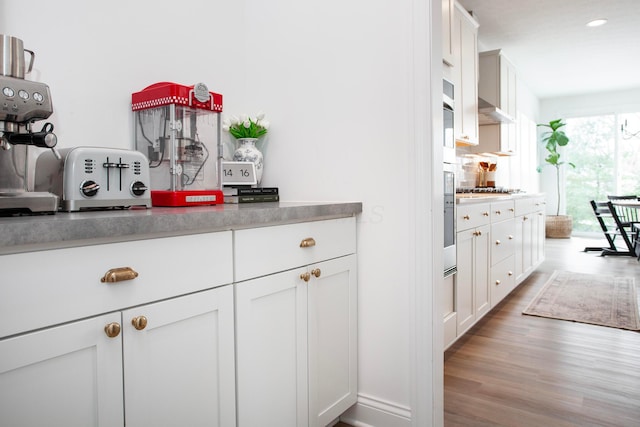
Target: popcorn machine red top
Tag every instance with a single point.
(178, 128)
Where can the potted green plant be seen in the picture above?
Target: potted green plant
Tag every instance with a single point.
(557, 226)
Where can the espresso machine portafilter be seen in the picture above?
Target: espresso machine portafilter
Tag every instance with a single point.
(22, 103)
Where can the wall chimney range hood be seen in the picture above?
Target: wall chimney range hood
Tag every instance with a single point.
(489, 114)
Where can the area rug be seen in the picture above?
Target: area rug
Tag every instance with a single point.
(588, 298)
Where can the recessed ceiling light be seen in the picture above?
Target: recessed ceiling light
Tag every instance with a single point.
(597, 22)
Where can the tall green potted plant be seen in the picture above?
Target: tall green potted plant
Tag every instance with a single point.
(557, 226)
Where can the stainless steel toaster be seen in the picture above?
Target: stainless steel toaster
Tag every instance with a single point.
(95, 178)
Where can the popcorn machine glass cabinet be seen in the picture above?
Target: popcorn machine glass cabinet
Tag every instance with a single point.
(181, 144)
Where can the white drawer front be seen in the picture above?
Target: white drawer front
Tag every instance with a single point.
(502, 210)
(39, 289)
(503, 279)
(502, 240)
(267, 250)
(472, 215)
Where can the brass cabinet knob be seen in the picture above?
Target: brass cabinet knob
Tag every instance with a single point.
(512, 210)
(466, 217)
(524, 218)
(308, 242)
(139, 322)
(305, 276)
(119, 274)
(497, 282)
(498, 242)
(510, 273)
(112, 329)
(316, 272)
(498, 212)
(485, 213)
(510, 237)
(479, 233)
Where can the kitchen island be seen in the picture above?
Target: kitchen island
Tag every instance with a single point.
(180, 316)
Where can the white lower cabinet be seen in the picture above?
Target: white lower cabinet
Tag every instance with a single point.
(296, 330)
(179, 361)
(69, 375)
(177, 369)
(472, 279)
(162, 355)
(498, 244)
(155, 333)
(529, 251)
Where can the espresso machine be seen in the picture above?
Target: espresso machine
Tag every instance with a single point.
(22, 103)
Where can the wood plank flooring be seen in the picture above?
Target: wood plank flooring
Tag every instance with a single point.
(517, 370)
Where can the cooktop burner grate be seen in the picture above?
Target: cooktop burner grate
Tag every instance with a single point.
(500, 190)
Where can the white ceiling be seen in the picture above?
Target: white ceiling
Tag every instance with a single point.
(553, 50)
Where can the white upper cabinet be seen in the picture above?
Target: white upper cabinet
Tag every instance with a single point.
(447, 32)
(498, 86)
(465, 76)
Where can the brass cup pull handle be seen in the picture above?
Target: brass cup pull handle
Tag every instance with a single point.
(308, 242)
(305, 276)
(316, 272)
(139, 322)
(119, 274)
(112, 329)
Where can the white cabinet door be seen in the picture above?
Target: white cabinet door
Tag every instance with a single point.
(482, 295)
(296, 340)
(465, 254)
(447, 32)
(332, 314)
(271, 345)
(69, 375)
(519, 242)
(472, 279)
(179, 368)
(465, 39)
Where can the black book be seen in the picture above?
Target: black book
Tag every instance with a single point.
(253, 198)
(249, 191)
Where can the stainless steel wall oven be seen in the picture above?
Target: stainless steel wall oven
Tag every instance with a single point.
(449, 177)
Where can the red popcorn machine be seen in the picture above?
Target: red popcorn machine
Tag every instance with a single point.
(178, 128)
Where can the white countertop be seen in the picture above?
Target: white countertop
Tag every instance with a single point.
(492, 197)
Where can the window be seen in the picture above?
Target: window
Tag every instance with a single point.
(605, 151)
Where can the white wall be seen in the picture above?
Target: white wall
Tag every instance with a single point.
(337, 82)
(624, 101)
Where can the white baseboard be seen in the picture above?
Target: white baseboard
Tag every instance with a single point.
(373, 412)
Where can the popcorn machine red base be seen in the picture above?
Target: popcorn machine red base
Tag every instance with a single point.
(178, 128)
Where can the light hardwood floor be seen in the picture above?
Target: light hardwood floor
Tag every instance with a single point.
(521, 371)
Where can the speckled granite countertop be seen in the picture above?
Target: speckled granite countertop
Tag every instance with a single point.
(32, 233)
